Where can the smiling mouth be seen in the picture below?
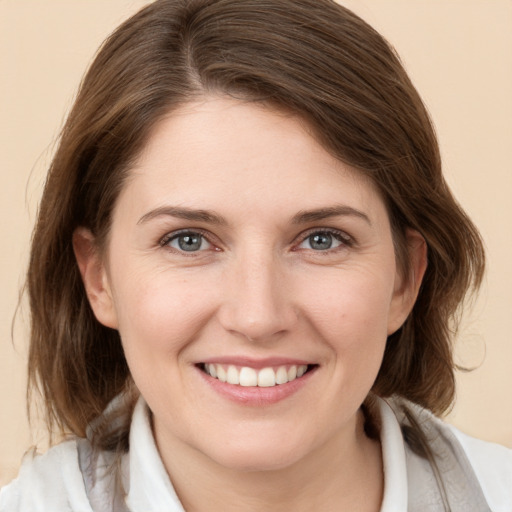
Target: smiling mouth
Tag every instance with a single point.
(246, 376)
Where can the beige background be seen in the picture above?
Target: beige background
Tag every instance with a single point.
(459, 53)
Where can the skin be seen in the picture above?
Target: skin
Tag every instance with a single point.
(256, 288)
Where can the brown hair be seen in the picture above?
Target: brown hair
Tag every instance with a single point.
(310, 57)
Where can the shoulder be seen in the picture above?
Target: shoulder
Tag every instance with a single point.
(52, 481)
(492, 464)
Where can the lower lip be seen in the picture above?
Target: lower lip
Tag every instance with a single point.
(254, 395)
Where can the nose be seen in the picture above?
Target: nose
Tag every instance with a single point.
(257, 304)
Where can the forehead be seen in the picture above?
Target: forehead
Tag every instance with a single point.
(239, 153)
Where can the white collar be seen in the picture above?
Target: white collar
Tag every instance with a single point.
(150, 487)
(394, 461)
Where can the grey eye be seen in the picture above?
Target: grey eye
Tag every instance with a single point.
(321, 241)
(189, 242)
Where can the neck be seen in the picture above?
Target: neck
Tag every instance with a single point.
(343, 474)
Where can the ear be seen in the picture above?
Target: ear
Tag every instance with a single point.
(94, 276)
(407, 287)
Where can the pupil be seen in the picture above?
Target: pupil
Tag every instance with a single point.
(189, 242)
(321, 241)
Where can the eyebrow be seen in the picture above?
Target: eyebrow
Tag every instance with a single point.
(184, 213)
(302, 217)
(306, 216)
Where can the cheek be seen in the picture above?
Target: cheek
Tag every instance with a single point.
(357, 301)
(159, 312)
(351, 315)
(159, 317)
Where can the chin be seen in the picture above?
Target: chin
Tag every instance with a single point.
(256, 461)
(251, 454)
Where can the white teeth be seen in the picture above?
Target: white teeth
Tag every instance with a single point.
(221, 373)
(282, 375)
(249, 377)
(301, 370)
(266, 378)
(292, 373)
(233, 377)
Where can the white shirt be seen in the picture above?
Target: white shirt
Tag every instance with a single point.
(55, 481)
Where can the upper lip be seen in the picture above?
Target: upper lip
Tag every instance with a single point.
(256, 363)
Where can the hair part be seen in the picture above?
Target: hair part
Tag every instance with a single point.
(313, 58)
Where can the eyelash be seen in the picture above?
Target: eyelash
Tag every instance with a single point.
(345, 240)
(169, 237)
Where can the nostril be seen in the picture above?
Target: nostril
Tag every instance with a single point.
(257, 311)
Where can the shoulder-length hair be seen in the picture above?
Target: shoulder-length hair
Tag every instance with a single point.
(313, 58)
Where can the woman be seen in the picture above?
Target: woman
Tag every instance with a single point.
(242, 299)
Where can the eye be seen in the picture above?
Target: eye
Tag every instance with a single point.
(324, 241)
(187, 241)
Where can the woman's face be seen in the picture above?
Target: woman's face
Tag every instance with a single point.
(242, 254)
